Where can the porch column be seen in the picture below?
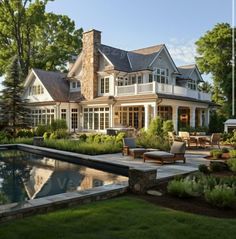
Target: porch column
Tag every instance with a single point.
(155, 110)
(111, 116)
(146, 116)
(192, 116)
(200, 117)
(175, 117)
(207, 115)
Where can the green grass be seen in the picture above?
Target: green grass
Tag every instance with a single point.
(17, 141)
(123, 217)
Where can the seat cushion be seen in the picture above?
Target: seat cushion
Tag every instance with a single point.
(137, 150)
(158, 154)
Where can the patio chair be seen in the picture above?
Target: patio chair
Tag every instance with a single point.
(187, 138)
(177, 152)
(173, 137)
(214, 140)
(130, 148)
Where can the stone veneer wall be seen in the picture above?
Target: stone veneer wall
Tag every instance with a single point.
(90, 64)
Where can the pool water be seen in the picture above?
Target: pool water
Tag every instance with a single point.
(26, 176)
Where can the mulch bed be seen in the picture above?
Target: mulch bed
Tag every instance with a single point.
(191, 205)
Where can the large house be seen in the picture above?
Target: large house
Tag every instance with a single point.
(108, 87)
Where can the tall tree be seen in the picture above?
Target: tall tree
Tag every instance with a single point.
(40, 39)
(215, 57)
(13, 110)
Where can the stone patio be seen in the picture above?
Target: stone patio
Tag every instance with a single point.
(193, 159)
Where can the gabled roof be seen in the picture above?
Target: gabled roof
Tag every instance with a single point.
(55, 83)
(130, 61)
(149, 50)
(187, 70)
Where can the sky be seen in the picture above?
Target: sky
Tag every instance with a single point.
(133, 24)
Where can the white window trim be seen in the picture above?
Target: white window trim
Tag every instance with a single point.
(99, 85)
(167, 77)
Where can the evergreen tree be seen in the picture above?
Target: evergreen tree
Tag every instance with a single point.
(13, 110)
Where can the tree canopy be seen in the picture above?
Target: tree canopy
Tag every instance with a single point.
(39, 39)
(215, 57)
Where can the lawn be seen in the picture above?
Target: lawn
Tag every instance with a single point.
(124, 217)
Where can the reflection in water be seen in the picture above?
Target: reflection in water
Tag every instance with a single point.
(28, 176)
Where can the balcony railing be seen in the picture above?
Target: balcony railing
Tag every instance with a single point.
(154, 87)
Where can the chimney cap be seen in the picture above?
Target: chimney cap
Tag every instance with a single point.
(92, 30)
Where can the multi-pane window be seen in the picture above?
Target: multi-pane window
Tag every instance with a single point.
(161, 75)
(36, 90)
(74, 118)
(140, 79)
(192, 85)
(150, 78)
(75, 85)
(42, 116)
(63, 114)
(165, 112)
(130, 116)
(96, 118)
(104, 85)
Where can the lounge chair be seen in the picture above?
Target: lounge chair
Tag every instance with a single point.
(173, 137)
(214, 140)
(130, 148)
(177, 152)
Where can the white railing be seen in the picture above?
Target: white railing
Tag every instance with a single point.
(164, 88)
(155, 87)
(145, 88)
(178, 90)
(204, 96)
(126, 90)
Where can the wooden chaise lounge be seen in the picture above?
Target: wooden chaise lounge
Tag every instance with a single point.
(177, 152)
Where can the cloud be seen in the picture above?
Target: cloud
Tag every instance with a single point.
(182, 51)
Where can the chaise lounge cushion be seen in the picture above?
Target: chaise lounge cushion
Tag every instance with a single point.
(129, 142)
(159, 154)
(137, 150)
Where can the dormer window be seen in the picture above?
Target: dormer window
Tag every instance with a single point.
(75, 85)
(192, 85)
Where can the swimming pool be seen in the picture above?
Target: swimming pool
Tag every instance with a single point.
(25, 176)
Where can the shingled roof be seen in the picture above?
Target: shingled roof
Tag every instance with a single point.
(130, 61)
(55, 83)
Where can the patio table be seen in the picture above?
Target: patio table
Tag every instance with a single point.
(199, 138)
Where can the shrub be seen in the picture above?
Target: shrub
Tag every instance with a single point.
(4, 136)
(59, 134)
(82, 137)
(232, 164)
(203, 169)
(119, 137)
(155, 127)
(25, 133)
(221, 196)
(184, 188)
(232, 153)
(152, 141)
(46, 135)
(225, 150)
(216, 153)
(58, 124)
(41, 129)
(218, 166)
(168, 126)
(3, 198)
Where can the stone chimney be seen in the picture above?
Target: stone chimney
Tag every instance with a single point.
(90, 64)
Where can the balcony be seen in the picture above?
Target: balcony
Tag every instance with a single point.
(154, 87)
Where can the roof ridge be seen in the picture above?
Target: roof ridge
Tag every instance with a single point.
(149, 47)
(194, 65)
